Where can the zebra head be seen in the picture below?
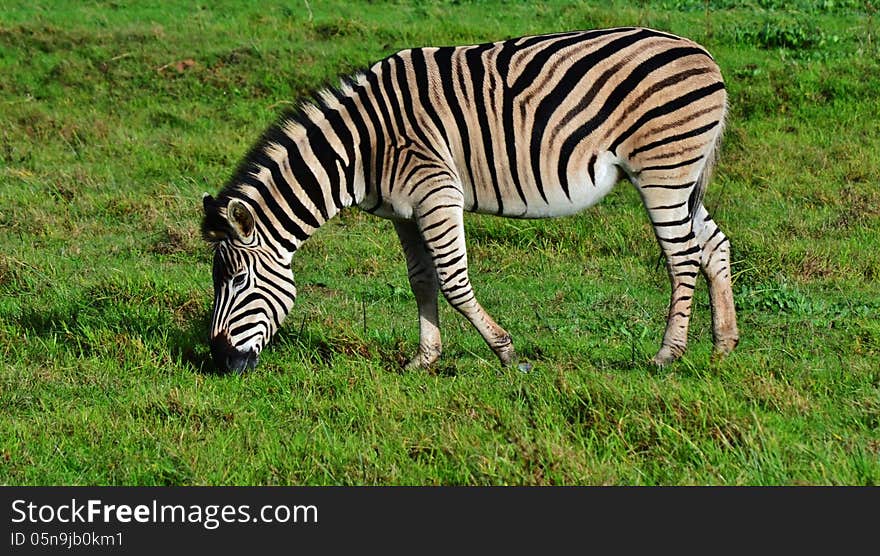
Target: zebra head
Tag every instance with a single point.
(253, 284)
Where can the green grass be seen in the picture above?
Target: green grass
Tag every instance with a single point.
(115, 117)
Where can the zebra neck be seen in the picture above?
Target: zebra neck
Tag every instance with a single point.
(307, 170)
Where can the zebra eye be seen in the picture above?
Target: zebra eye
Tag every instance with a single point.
(238, 280)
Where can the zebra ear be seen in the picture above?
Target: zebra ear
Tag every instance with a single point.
(214, 226)
(207, 202)
(240, 218)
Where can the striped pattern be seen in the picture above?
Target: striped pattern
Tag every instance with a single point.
(527, 128)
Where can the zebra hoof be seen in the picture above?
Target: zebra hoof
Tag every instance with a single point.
(508, 358)
(505, 352)
(723, 348)
(422, 360)
(665, 356)
(414, 364)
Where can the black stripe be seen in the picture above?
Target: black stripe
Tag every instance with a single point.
(715, 233)
(684, 220)
(681, 164)
(257, 333)
(435, 209)
(435, 225)
(460, 299)
(430, 177)
(396, 163)
(386, 125)
(528, 42)
(666, 207)
(665, 186)
(355, 117)
(243, 329)
(447, 244)
(688, 251)
(433, 191)
(443, 59)
(503, 68)
(346, 138)
(462, 284)
(477, 70)
(306, 180)
(682, 239)
(591, 169)
(372, 159)
(256, 297)
(659, 86)
(410, 175)
(278, 303)
(327, 157)
(401, 139)
(405, 160)
(430, 240)
(391, 93)
(403, 87)
(439, 265)
(420, 70)
(696, 195)
(597, 83)
(674, 139)
(279, 286)
(245, 314)
(448, 279)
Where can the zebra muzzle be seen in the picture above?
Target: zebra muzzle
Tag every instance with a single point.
(228, 358)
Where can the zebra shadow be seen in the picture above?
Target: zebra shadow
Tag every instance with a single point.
(85, 329)
(189, 345)
(319, 348)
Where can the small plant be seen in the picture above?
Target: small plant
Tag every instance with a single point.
(776, 297)
(788, 34)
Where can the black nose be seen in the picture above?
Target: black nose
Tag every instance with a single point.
(228, 358)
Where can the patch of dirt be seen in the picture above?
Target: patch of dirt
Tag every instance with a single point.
(173, 241)
(813, 266)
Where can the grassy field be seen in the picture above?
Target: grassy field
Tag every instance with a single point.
(116, 116)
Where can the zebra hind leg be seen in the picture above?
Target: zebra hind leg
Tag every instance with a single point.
(715, 264)
(442, 227)
(668, 208)
(423, 281)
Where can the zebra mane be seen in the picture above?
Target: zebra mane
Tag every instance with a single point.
(302, 115)
(214, 225)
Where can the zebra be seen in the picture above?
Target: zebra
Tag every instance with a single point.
(530, 127)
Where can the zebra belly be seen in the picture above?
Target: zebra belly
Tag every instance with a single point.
(583, 192)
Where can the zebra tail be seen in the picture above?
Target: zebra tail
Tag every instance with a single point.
(696, 198)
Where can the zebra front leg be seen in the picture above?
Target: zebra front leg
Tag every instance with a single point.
(715, 264)
(442, 226)
(423, 281)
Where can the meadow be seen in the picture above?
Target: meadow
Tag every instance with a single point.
(117, 115)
